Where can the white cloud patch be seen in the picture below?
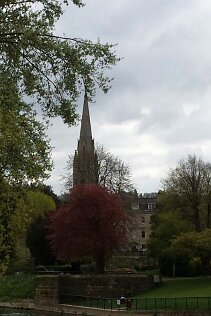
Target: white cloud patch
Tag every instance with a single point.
(158, 109)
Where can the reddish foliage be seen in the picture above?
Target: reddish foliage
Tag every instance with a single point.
(93, 223)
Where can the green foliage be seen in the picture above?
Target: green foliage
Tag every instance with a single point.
(37, 242)
(168, 224)
(8, 199)
(16, 286)
(50, 68)
(46, 69)
(180, 237)
(25, 152)
(46, 189)
(33, 205)
(193, 245)
(17, 210)
(170, 201)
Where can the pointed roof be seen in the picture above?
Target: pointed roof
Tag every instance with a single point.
(85, 121)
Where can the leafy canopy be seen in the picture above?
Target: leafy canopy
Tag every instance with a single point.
(33, 205)
(92, 224)
(191, 182)
(51, 68)
(25, 151)
(193, 245)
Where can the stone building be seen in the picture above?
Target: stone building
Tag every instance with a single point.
(85, 170)
(142, 209)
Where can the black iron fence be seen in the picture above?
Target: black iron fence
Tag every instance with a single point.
(137, 304)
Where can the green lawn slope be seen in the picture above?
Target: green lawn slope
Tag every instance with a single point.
(181, 287)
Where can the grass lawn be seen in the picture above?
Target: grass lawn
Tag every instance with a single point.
(181, 287)
(16, 286)
(172, 294)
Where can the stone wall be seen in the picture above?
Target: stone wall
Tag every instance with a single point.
(52, 289)
(47, 291)
(105, 285)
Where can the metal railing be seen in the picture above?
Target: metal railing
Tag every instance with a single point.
(137, 304)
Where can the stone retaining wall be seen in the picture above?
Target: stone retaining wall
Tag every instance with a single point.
(105, 285)
(51, 288)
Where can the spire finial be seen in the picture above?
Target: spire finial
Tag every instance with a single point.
(85, 121)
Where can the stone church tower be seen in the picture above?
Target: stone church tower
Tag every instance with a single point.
(85, 165)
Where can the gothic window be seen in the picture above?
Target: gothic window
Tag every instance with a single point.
(143, 234)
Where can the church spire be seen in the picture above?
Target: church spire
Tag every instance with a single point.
(85, 164)
(86, 131)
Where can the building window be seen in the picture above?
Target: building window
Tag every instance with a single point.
(134, 207)
(151, 219)
(151, 206)
(143, 220)
(143, 234)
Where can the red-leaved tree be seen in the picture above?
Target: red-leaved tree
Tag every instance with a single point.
(92, 223)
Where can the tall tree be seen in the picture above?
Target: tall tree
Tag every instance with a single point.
(113, 173)
(92, 224)
(48, 67)
(37, 241)
(166, 226)
(25, 158)
(191, 181)
(193, 244)
(25, 150)
(16, 217)
(207, 197)
(32, 205)
(8, 201)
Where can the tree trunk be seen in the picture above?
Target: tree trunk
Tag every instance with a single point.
(100, 264)
(196, 218)
(205, 265)
(208, 214)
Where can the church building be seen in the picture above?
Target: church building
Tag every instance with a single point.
(141, 208)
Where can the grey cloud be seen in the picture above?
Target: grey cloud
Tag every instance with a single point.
(162, 85)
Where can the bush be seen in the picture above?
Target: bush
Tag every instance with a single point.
(17, 286)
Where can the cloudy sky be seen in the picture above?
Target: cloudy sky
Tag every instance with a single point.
(159, 108)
